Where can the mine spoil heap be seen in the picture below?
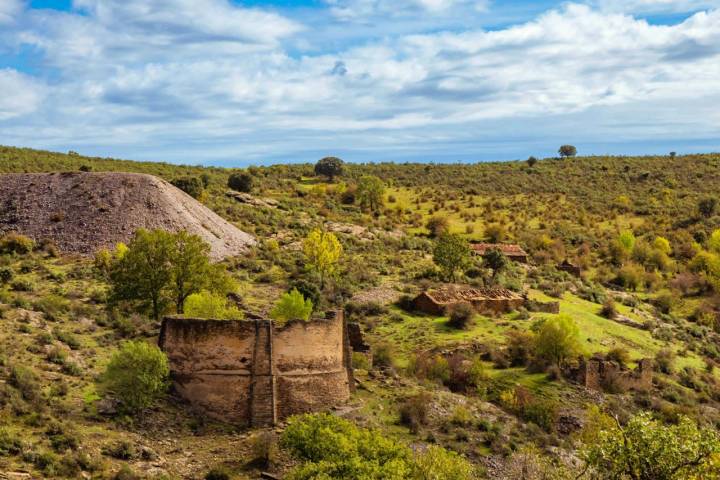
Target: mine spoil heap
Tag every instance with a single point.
(82, 212)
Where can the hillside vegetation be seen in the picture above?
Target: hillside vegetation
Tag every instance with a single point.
(474, 396)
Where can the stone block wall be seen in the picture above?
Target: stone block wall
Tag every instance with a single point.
(597, 373)
(250, 372)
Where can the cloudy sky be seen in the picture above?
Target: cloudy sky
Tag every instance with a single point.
(235, 83)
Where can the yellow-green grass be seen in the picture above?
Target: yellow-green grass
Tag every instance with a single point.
(597, 334)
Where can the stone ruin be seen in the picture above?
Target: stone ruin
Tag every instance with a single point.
(485, 300)
(254, 373)
(598, 373)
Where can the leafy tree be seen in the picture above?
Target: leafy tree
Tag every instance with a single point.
(193, 186)
(211, 305)
(645, 449)
(137, 375)
(331, 167)
(531, 161)
(566, 151)
(438, 225)
(160, 267)
(627, 240)
(707, 206)
(556, 340)
(495, 260)
(322, 252)
(451, 253)
(370, 191)
(241, 182)
(292, 306)
(145, 270)
(190, 267)
(662, 244)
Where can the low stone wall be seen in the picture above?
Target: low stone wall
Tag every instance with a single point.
(252, 373)
(600, 374)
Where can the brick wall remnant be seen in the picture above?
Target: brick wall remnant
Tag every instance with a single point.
(489, 301)
(254, 373)
(570, 268)
(598, 372)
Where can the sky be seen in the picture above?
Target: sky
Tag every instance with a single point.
(257, 82)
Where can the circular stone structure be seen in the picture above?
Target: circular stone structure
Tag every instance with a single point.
(253, 373)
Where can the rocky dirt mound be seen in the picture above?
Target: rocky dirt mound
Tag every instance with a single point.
(83, 212)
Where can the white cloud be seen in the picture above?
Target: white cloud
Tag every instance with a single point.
(204, 84)
(21, 94)
(362, 10)
(9, 10)
(656, 6)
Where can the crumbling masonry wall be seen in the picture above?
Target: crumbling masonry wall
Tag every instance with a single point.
(597, 373)
(252, 373)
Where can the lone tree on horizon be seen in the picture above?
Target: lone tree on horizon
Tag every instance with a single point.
(329, 166)
(566, 151)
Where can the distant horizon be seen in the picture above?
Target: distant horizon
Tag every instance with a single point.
(364, 162)
(240, 82)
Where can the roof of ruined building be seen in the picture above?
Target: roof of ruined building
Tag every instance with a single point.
(506, 248)
(468, 294)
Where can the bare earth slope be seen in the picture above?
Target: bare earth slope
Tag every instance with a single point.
(83, 212)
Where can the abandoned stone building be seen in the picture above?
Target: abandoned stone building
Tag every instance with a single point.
(488, 301)
(598, 373)
(254, 373)
(513, 252)
(570, 268)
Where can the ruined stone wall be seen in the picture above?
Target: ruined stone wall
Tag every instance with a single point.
(600, 374)
(253, 373)
(484, 306)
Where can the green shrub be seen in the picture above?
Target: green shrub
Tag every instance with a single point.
(218, 473)
(6, 275)
(15, 243)
(292, 306)
(360, 361)
(461, 316)
(27, 382)
(619, 355)
(241, 182)
(211, 305)
(137, 375)
(10, 444)
(609, 309)
(414, 411)
(193, 186)
(331, 447)
(436, 463)
(264, 448)
(22, 285)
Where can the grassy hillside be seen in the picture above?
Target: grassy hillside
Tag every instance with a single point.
(604, 214)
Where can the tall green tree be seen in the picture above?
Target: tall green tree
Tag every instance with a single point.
(557, 340)
(566, 151)
(370, 192)
(451, 254)
(191, 270)
(160, 267)
(331, 167)
(322, 252)
(145, 270)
